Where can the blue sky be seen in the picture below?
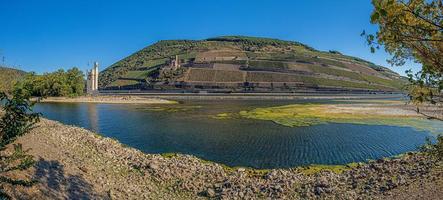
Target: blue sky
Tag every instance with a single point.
(43, 35)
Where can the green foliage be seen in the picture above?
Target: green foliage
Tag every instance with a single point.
(435, 150)
(425, 86)
(249, 42)
(409, 30)
(412, 30)
(17, 120)
(60, 83)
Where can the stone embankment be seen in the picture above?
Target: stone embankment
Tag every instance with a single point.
(74, 163)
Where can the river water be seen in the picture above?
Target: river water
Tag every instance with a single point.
(190, 128)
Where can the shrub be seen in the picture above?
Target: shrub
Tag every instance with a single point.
(17, 120)
(435, 150)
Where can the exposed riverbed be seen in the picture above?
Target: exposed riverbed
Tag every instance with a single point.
(73, 163)
(207, 129)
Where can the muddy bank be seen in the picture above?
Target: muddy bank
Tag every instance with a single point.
(75, 163)
(109, 100)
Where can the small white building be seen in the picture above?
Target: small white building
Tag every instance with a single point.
(92, 80)
(175, 63)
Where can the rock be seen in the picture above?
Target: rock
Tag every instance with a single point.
(271, 174)
(153, 166)
(210, 192)
(318, 190)
(83, 169)
(241, 169)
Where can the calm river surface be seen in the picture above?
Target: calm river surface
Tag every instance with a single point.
(189, 128)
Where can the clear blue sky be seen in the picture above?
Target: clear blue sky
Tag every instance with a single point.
(42, 36)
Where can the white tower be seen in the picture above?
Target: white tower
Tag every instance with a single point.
(95, 76)
(92, 80)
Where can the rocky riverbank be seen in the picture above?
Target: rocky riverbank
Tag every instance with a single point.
(74, 163)
(111, 99)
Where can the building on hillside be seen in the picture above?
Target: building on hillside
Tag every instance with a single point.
(175, 63)
(92, 80)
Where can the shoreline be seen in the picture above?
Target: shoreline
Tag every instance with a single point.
(73, 162)
(108, 100)
(256, 96)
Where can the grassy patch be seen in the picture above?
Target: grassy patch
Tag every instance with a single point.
(169, 155)
(336, 72)
(399, 84)
(124, 83)
(225, 116)
(137, 74)
(313, 169)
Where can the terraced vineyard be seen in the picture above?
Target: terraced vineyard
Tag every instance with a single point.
(237, 63)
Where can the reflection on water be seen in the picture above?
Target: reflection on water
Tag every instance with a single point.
(236, 142)
(93, 117)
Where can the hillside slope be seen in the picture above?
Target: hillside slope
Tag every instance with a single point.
(8, 77)
(238, 63)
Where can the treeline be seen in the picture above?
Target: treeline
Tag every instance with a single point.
(69, 83)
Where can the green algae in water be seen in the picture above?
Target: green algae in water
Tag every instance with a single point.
(300, 115)
(175, 108)
(226, 116)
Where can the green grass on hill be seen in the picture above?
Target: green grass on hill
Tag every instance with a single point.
(8, 78)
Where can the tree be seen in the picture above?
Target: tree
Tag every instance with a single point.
(409, 30)
(17, 120)
(59, 83)
(412, 30)
(76, 81)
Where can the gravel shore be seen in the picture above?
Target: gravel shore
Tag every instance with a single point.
(74, 163)
(117, 99)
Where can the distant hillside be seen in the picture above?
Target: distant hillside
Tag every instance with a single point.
(238, 63)
(8, 77)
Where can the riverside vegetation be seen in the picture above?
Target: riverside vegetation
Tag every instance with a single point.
(59, 83)
(70, 83)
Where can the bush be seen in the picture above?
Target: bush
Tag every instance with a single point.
(435, 150)
(17, 120)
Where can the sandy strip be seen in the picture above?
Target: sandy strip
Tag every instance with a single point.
(108, 100)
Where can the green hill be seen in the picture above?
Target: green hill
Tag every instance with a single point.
(8, 77)
(239, 63)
